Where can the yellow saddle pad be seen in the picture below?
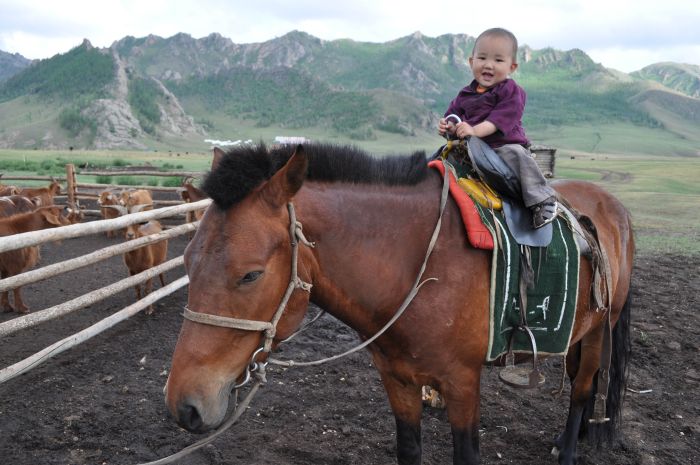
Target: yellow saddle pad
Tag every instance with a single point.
(481, 193)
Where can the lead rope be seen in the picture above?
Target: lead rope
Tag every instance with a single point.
(219, 431)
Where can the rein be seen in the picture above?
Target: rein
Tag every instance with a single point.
(269, 328)
(409, 298)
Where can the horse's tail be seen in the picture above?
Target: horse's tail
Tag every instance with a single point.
(621, 351)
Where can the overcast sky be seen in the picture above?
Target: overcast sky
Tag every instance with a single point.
(621, 34)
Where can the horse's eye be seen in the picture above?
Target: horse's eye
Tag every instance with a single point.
(250, 277)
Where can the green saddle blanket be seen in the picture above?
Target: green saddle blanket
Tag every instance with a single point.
(551, 303)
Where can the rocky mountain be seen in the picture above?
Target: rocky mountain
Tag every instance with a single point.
(141, 92)
(681, 77)
(11, 64)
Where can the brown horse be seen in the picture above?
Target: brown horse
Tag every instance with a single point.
(371, 221)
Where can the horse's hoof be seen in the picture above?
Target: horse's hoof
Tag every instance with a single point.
(521, 377)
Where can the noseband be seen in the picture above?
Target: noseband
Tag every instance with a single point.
(269, 328)
(296, 235)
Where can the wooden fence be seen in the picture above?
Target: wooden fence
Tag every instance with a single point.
(545, 158)
(19, 241)
(76, 191)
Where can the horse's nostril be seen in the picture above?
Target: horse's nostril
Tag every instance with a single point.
(188, 417)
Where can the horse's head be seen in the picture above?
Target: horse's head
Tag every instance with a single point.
(239, 264)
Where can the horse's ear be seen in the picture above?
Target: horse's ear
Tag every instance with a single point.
(218, 155)
(288, 180)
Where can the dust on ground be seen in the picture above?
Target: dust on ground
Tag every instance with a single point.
(102, 402)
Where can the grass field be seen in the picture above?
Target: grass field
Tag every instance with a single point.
(662, 193)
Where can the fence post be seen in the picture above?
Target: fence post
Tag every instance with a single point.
(71, 185)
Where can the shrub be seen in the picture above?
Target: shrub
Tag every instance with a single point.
(143, 99)
(73, 121)
(172, 182)
(128, 180)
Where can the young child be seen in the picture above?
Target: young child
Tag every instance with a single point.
(491, 108)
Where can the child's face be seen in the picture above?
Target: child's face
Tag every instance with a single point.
(492, 60)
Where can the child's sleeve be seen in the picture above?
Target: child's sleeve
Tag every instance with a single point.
(507, 114)
(453, 108)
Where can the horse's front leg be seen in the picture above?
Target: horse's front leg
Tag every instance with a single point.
(407, 405)
(462, 400)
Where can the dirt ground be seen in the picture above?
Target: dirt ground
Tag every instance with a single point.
(102, 402)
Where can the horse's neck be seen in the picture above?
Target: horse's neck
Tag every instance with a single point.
(370, 244)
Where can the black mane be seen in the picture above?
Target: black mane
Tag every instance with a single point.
(243, 168)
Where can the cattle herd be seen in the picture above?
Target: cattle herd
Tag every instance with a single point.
(30, 209)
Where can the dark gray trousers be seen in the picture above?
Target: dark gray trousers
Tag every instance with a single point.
(534, 186)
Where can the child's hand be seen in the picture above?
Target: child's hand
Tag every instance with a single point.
(445, 127)
(463, 130)
(442, 127)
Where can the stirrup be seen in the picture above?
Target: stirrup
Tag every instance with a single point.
(521, 376)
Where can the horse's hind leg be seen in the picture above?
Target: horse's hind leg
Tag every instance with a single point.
(573, 358)
(581, 391)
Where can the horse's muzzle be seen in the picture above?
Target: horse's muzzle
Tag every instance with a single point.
(189, 418)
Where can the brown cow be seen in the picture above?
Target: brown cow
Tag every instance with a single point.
(14, 204)
(189, 193)
(46, 194)
(17, 261)
(145, 257)
(108, 202)
(9, 190)
(74, 215)
(131, 198)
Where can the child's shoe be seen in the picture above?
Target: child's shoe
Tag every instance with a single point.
(544, 212)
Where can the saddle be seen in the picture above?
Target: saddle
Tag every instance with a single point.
(482, 174)
(491, 182)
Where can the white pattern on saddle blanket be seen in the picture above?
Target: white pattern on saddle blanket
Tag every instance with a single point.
(583, 245)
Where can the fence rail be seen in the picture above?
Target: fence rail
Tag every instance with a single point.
(37, 237)
(174, 174)
(28, 239)
(59, 268)
(32, 361)
(33, 319)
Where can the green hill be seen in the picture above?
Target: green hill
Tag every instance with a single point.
(681, 77)
(82, 72)
(161, 92)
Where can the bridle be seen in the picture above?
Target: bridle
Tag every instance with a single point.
(269, 329)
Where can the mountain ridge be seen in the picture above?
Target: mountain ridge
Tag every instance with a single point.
(152, 89)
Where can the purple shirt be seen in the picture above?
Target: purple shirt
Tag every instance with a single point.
(502, 105)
